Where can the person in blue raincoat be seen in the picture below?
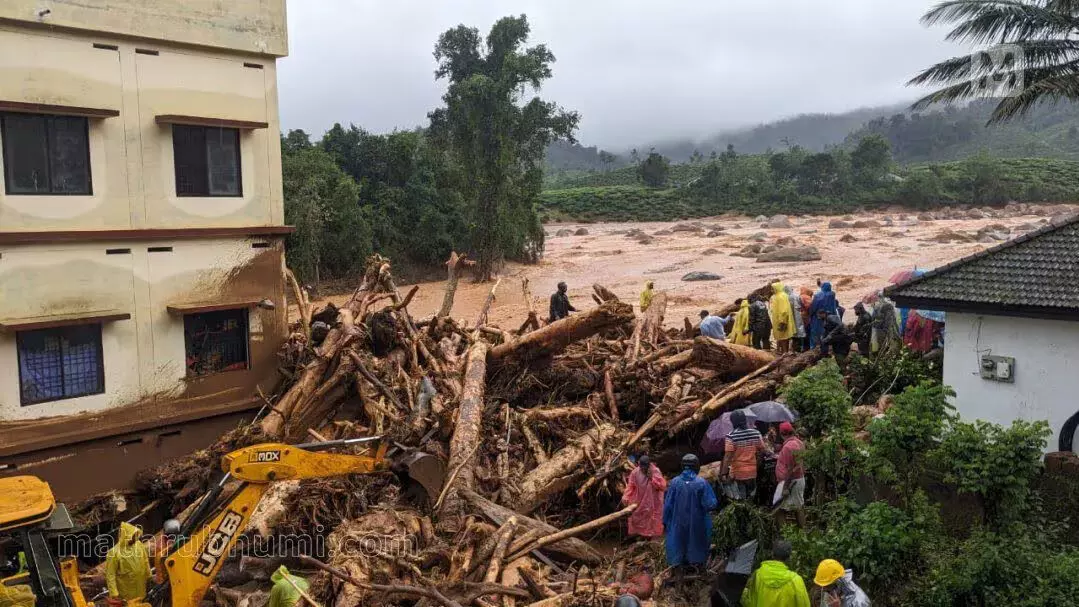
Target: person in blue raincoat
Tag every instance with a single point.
(686, 518)
(824, 300)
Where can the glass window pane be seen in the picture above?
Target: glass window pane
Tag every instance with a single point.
(222, 151)
(82, 361)
(216, 341)
(189, 150)
(70, 155)
(26, 159)
(41, 376)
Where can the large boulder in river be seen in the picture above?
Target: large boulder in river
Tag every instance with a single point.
(750, 250)
(925, 217)
(699, 276)
(839, 224)
(714, 234)
(866, 223)
(564, 232)
(780, 222)
(848, 238)
(710, 252)
(759, 237)
(790, 254)
(760, 219)
(687, 227)
(581, 232)
(786, 241)
(975, 214)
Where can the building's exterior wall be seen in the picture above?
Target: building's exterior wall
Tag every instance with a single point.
(1046, 356)
(143, 356)
(131, 157)
(253, 26)
(142, 59)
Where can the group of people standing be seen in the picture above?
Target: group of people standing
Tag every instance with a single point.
(680, 510)
(811, 319)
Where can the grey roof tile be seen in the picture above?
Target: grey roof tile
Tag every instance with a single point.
(1036, 270)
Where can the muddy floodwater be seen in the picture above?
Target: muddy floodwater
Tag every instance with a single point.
(857, 260)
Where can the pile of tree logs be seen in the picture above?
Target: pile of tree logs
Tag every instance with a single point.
(534, 425)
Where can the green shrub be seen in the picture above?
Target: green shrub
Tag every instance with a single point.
(820, 398)
(871, 378)
(880, 543)
(996, 463)
(835, 463)
(1019, 569)
(740, 522)
(908, 432)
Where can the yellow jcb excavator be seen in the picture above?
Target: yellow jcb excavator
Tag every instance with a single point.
(30, 514)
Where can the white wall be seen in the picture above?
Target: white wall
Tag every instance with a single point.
(1046, 356)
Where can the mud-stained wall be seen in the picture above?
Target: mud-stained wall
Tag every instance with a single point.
(254, 26)
(143, 356)
(131, 156)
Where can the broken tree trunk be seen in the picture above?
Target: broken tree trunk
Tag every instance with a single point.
(756, 389)
(556, 336)
(481, 320)
(604, 294)
(728, 358)
(764, 293)
(466, 433)
(614, 463)
(562, 469)
(452, 277)
(575, 531)
(569, 548)
(532, 322)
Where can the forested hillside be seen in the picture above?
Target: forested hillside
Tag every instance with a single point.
(801, 181)
(952, 133)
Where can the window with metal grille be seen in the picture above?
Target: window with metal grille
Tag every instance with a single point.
(216, 341)
(60, 363)
(207, 160)
(46, 154)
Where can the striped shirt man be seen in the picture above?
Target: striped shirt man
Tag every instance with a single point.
(742, 447)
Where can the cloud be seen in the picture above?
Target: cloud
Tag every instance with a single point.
(637, 71)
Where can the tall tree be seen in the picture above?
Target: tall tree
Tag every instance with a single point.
(1030, 56)
(653, 170)
(496, 135)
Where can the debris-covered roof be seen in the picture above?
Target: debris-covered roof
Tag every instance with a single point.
(1034, 275)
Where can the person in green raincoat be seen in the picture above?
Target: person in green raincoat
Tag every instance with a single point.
(127, 566)
(774, 585)
(284, 594)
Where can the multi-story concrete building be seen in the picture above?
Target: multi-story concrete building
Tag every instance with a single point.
(142, 298)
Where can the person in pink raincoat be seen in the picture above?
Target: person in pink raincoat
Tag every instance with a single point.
(645, 487)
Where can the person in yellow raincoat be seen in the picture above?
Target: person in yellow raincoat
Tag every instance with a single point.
(740, 331)
(783, 328)
(646, 295)
(283, 593)
(127, 566)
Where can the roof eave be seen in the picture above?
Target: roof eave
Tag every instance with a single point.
(987, 309)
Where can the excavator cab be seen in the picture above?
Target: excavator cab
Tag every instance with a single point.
(30, 519)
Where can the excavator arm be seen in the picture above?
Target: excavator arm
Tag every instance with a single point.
(212, 531)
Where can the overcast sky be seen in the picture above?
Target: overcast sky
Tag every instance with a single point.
(636, 70)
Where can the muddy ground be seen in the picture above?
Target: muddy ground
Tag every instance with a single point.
(607, 256)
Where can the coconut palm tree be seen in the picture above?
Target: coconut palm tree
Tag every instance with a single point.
(1031, 54)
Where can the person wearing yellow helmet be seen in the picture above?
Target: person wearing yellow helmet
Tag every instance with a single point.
(837, 586)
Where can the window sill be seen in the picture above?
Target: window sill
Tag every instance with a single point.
(184, 309)
(61, 320)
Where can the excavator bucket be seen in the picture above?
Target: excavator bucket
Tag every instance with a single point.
(422, 475)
